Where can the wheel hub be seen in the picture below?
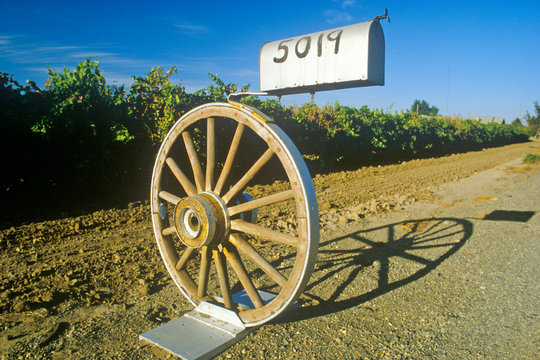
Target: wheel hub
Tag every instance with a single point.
(201, 220)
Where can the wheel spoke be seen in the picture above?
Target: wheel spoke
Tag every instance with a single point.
(203, 271)
(188, 282)
(184, 258)
(169, 231)
(167, 196)
(264, 201)
(210, 153)
(223, 278)
(248, 175)
(238, 267)
(230, 158)
(188, 186)
(242, 245)
(256, 230)
(194, 160)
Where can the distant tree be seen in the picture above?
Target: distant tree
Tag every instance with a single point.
(517, 122)
(421, 107)
(533, 122)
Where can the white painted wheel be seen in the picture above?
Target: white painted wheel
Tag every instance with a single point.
(211, 240)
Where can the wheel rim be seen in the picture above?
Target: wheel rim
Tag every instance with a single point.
(206, 228)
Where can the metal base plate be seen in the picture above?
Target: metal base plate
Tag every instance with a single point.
(204, 332)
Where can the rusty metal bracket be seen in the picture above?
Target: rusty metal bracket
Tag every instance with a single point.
(382, 17)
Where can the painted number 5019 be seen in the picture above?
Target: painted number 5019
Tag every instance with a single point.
(303, 46)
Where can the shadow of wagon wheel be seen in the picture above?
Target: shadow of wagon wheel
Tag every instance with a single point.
(379, 260)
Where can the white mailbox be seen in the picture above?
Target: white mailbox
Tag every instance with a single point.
(345, 57)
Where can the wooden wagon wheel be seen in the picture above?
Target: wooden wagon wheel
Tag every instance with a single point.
(205, 228)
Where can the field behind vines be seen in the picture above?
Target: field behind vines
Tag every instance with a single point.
(81, 144)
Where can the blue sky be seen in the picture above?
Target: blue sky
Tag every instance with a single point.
(465, 57)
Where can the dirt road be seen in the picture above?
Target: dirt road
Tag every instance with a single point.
(433, 258)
